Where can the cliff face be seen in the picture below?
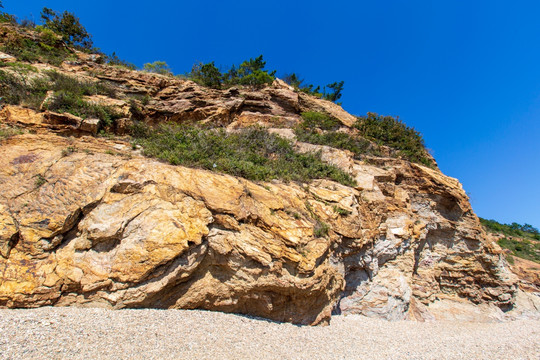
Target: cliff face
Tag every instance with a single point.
(89, 221)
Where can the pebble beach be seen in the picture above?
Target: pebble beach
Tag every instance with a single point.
(78, 333)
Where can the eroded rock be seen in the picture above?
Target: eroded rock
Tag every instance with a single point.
(105, 230)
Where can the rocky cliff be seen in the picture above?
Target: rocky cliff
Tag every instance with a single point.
(90, 221)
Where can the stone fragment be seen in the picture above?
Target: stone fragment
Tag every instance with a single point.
(90, 126)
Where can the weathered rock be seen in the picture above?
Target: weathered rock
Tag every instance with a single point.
(5, 58)
(105, 230)
(90, 126)
(89, 222)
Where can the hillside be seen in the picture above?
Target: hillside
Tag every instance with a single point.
(138, 189)
(521, 243)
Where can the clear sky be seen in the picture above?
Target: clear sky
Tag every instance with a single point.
(466, 74)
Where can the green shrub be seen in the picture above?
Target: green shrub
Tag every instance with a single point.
(40, 180)
(335, 91)
(338, 140)
(47, 36)
(252, 153)
(158, 67)
(135, 110)
(116, 61)
(69, 102)
(8, 132)
(335, 88)
(510, 259)
(43, 49)
(17, 89)
(207, 75)
(320, 129)
(68, 26)
(7, 18)
(341, 211)
(62, 82)
(313, 120)
(391, 132)
(19, 67)
(321, 229)
(250, 73)
(524, 249)
(514, 229)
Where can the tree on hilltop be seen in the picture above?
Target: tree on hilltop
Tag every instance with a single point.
(68, 26)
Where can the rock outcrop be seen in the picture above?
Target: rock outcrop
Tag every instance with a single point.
(102, 226)
(87, 221)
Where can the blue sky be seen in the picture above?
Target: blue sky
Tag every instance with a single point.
(466, 74)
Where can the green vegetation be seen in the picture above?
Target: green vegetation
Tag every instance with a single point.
(18, 89)
(321, 228)
(523, 231)
(321, 129)
(114, 60)
(252, 153)
(5, 17)
(68, 26)
(46, 47)
(389, 131)
(312, 120)
(8, 132)
(207, 75)
(522, 240)
(250, 73)
(158, 67)
(61, 82)
(524, 249)
(341, 211)
(73, 103)
(40, 181)
(19, 67)
(69, 150)
(334, 89)
(22, 84)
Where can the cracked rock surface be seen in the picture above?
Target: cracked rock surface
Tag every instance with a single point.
(117, 230)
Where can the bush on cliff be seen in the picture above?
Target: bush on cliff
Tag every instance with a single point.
(391, 132)
(251, 153)
(114, 60)
(513, 229)
(68, 26)
(17, 88)
(158, 67)
(207, 75)
(523, 248)
(320, 129)
(249, 73)
(46, 47)
(331, 92)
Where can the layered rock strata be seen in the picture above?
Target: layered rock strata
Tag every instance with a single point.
(100, 225)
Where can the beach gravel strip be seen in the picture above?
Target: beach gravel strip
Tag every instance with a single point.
(83, 333)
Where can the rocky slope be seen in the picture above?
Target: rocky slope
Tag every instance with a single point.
(89, 221)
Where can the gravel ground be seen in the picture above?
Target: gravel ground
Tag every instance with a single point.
(59, 333)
